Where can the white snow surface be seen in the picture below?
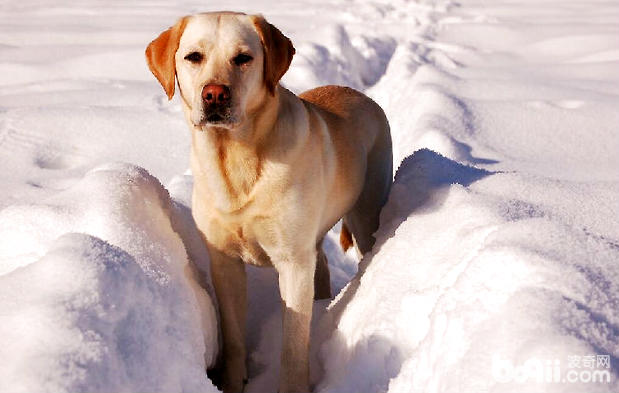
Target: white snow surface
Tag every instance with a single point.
(95, 291)
(499, 243)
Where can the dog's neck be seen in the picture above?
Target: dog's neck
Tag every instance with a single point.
(229, 163)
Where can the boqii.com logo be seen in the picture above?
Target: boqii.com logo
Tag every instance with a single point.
(578, 369)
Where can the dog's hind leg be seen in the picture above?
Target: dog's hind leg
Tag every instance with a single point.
(363, 219)
(322, 278)
(362, 223)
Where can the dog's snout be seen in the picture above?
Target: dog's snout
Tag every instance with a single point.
(216, 94)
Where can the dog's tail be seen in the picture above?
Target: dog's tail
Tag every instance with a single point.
(345, 238)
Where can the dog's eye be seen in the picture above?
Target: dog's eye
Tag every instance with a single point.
(241, 59)
(194, 57)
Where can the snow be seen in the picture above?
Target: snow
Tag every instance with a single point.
(498, 246)
(96, 294)
(499, 240)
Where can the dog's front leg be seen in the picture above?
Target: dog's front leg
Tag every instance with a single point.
(296, 285)
(229, 280)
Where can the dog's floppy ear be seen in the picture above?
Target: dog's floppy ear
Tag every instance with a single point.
(278, 51)
(160, 56)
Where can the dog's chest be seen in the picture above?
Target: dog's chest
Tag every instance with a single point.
(249, 248)
(238, 239)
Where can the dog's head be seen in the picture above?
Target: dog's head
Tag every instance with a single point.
(227, 64)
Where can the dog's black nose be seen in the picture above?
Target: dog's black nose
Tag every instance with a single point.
(216, 94)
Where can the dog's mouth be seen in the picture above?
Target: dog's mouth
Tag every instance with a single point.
(215, 118)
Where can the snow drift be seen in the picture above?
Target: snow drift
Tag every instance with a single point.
(97, 293)
(495, 268)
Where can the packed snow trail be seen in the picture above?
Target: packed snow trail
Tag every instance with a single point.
(498, 246)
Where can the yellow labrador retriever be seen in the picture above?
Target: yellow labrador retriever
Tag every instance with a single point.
(273, 172)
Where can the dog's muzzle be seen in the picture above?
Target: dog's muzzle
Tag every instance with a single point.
(217, 102)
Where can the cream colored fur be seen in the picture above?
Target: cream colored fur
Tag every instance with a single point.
(271, 181)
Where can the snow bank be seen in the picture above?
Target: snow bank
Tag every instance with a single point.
(338, 60)
(520, 285)
(495, 268)
(97, 293)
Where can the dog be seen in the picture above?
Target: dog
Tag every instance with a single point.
(273, 172)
